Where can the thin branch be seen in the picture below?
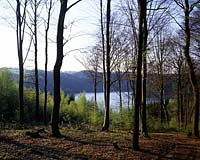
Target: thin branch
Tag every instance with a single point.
(68, 8)
(194, 5)
(179, 4)
(176, 21)
(29, 47)
(73, 50)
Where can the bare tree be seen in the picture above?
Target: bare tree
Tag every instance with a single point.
(91, 62)
(160, 58)
(141, 9)
(187, 8)
(49, 7)
(177, 61)
(21, 23)
(108, 72)
(56, 73)
(144, 74)
(103, 49)
(33, 26)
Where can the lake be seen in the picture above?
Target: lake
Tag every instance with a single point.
(114, 99)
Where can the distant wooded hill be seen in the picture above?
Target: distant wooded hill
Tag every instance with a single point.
(76, 82)
(71, 82)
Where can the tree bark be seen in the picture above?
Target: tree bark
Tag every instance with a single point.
(141, 7)
(36, 62)
(144, 80)
(120, 92)
(19, 32)
(46, 63)
(103, 51)
(95, 91)
(56, 72)
(59, 59)
(180, 99)
(107, 83)
(192, 75)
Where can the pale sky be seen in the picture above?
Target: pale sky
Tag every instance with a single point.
(86, 16)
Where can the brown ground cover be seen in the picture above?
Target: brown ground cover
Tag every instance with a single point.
(90, 144)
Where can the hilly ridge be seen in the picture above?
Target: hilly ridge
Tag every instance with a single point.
(76, 82)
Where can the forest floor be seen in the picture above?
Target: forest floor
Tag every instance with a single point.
(90, 144)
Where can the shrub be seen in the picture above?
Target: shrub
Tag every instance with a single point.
(8, 96)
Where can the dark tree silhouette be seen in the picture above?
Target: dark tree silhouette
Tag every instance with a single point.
(141, 9)
(37, 101)
(188, 8)
(49, 10)
(56, 73)
(20, 18)
(144, 76)
(108, 72)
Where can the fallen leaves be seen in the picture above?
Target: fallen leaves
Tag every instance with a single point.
(77, 144)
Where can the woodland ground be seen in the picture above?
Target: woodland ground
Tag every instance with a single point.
(85, 144)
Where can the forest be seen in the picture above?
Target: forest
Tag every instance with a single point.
(147, 48)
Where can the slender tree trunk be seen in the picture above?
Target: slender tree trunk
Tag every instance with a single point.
(95, 97)
(120, 95)
(46, 64)
(45, 78)
(36, 64)
(162, 114)
(36, 84)
(107, 103)
(95, 92)
(20, 58)
(103, 51)
(119, 88)
(56, 72)
(193, 78)
(178, 98)
(144, 80)
(181, 108)
(141, 7)
(128, 91)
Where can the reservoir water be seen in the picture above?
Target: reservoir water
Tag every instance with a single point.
(114, 99)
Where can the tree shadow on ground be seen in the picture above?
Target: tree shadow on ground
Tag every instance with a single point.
(86, 146)
(43, 152)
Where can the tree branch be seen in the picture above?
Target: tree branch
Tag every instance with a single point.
(194, 5)
(68, 8)
(179, 4)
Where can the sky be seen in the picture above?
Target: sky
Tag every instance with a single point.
(86, 17)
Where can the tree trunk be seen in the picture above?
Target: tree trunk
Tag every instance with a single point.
(162, 114)
(58, 65)
(36, 64)
(120, 90)
(180, 99)
(46, 63)
(193, 78)
(45, 78)
(128, 100)
(144, 80)
(95, 92)
(20, 58)
(107, 83)
(141, 7)
(56, 72)
(120, 96)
